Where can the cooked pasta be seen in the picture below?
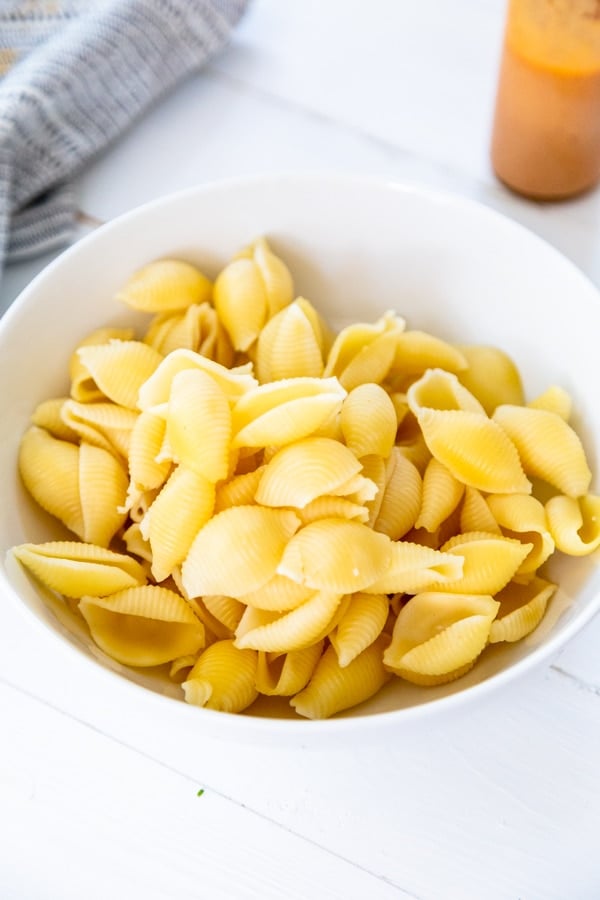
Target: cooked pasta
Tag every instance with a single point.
(263, 507)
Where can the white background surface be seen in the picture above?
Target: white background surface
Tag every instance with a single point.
(500, 801)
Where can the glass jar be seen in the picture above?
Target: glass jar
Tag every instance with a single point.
(546, 133)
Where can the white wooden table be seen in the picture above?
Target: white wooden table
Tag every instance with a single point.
(500, 802)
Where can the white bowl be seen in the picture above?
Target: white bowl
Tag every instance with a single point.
(356, 248)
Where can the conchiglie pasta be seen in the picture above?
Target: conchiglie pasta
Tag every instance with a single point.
(285, 674)
(412, 567)
(491, 376)
(106, 425)
(165, 284)
(555, 399)
(223, 678)
(143, 626)
(83, 387)
(197, 329)
(364, 353)
(490, 561)
(294, 630)
(400, 500)
(49, 468)
(522, 607)
(442, 493)
(120, 368)
(475, 513)
(523, 517)
(575, 523)
(417, 351)
(441, 390)
(368, 421)
(289, 346)
(48, 415)
(360, 625)
(103, 486)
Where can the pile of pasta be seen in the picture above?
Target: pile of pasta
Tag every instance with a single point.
(264, 507)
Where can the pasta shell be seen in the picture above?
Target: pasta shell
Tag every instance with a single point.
(368, 421)
(183, 506)
(412, 567)
(75, 569)
(83, 387)
(522, 607)
(197, 329)
(120, 368)
(475, 449)
(288, 346)
(145, 444)
(333, 688)
(401, 497)
(371, 364)
(374, 470)
(48, 415)
(165, 284)
(237, 551)
(285, 411)
(226, 610)
(50, 471)
(105, 425)
(240, 298)
(411, 443)
(336, 555)
(491, 376)
(523, 517)
(549, 448)
(275, 274)
(239, 490)
(294, 630)
(438, 634)
(555, 400)
(475, 514)
(442, 493)
(360, 626)
(303, 471)
(575, 523)
(223, 678)
(103, 486)
(199, 424)
(278, 594)
(136, 545)
(417, 351)
(331, 507)
(490, 561)
(442, 391)
(157, 389)
(143, 626)
(352, 357)
(286, 674)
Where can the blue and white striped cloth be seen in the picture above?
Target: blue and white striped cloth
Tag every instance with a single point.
(74, 75)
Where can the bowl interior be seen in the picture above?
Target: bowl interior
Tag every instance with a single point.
(356, 248)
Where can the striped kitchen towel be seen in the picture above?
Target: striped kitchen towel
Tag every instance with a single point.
(74, 74)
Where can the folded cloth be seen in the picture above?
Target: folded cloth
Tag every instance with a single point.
(77, 75)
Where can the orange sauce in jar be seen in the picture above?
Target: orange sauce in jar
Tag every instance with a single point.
(546, 134)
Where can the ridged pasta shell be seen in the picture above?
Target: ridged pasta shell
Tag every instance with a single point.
(288, 346)
(331, 507)
(285, 411)
(412, 567)
(48, 415)
(401, 497)
(104, 424)
(283, 675)
(50, 471)
(75, 569)
(223, 678)
(523, 517)
(197, 329)
(143, 626)
(375, 471)
(353, 359)
(239, 490)
(442, 493)
(441, 391)
(183, 506)
(555, 399)
(157, 389)
(237, 551)
(371, 364)
(303, 471)
(83, 387)
(279, 594)
(275, 274)
(336, 555)
(199, 424)
(360, 626)
(491, 376)
(490, 561)
(522, 608)
(332, 688)
(439, 633)
(417, 351)
(165, 284)
(227, 610)
(240, 298)
(103, 486)
(549, 448)
(145, 444)
(475, 449)
(575, 523)
(136, 545)
(120, 368)
(475, 514)
(368, 421)
(296, 629)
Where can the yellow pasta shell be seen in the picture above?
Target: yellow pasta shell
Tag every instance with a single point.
(120, 368)
(555, 399)
(417, 351)
(223, 678)
(368, 421)
(75, 569)
(104, 424)
(288, 346)
(294, 630)
(522, 607)
(491, 376)
(475, 514)
(490, 561)
(157, 389)
(278, 594)
(48, 415)
(275, 274)
(237, 551)
(549, 448)
(411, 567)
(442, 493)
(227, 610)
(575, 523)
(165, 284)
(303, 471)
(332, 507)
(240, 298)
(50, 471)
(83, 386)
(336, 555)
(199, 424)
(401, 497)
(239, 490)
(360, 626)
(283, 675)
(440, 390)
(332, 688)
(197, 329)
(523, 517)
(103, 486)
(143, 626)
(147, 436)
(351, 357)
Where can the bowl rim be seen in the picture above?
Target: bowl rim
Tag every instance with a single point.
(236, 724)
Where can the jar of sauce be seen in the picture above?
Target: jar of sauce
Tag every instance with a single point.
(546, 133)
